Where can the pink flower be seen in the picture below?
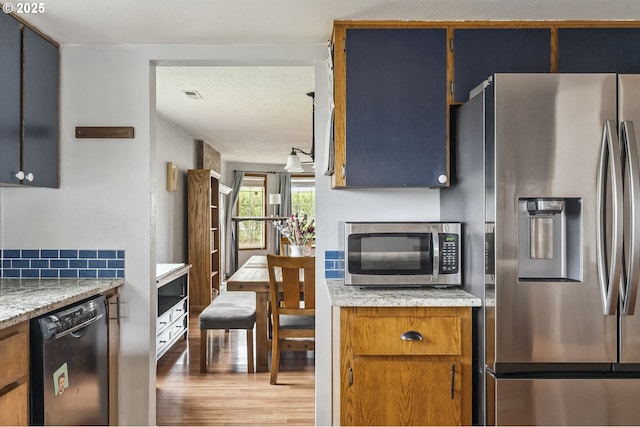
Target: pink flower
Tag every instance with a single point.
(299, 229)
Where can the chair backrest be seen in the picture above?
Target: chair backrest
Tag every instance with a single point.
(284, 243)
(292, 282)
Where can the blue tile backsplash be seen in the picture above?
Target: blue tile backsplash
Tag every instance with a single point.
(62, 263)
(334, 264)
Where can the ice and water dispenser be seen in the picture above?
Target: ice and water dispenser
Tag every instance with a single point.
(549, 239)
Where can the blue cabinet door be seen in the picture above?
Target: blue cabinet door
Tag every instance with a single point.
(396, 108)
(479, 53)
(9, 98)
(599, 50)
(40, 97)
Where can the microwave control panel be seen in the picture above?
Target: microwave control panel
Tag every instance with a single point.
(449, 253)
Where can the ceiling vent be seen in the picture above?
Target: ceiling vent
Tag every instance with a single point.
(193, 94)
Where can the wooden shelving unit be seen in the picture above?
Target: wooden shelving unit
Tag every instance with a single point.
(204, 236)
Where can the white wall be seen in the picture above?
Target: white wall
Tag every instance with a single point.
(105, 200)
(109, 188)
(176, 146)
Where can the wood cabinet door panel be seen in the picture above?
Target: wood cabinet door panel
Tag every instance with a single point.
(14, 353)
(383, 335)
(396, 107)
(406, 391)
(14, 409)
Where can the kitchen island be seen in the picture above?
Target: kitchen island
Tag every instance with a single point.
(401, 356)
(24, 299)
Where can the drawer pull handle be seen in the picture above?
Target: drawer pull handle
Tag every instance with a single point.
(411, 336)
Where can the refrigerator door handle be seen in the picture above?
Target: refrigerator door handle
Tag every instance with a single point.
(630, 148)
(609, 280)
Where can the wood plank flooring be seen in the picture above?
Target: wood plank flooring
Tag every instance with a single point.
(227, 394)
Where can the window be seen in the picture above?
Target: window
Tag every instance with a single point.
(251, 202)
(303, 195)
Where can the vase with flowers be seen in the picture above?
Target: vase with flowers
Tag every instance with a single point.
(299, 229)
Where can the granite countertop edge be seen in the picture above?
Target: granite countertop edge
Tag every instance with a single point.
(25, 299)
(353, 296)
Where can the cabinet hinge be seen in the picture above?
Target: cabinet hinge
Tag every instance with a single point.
(344, 171)
(114, 309)
(350, 376)
(118, 308)
(451, 44)
(453, 382)
(344, 44)
(451, 87)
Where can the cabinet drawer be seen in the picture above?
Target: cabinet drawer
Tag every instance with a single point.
(383, 335)
(14, 409)
(179, 310)
(164, 321)
(14, 353)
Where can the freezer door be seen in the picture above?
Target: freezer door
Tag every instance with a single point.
(602, 402)
(547, 142)
(629, 124)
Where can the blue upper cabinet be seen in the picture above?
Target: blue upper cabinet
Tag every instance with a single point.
(478, 53)
(29, 99)
(396, 108)
(40, 109)
(10, 128)
(599, 50)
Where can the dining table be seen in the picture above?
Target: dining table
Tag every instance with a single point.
(253, 276)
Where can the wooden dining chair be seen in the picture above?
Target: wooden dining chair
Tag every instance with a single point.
(284, 246)
(292, 284)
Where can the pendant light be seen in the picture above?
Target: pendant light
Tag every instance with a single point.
(293, 161)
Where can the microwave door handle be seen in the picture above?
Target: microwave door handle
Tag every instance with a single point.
(435, 239)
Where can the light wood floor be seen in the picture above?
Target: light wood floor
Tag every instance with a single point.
(227, 394)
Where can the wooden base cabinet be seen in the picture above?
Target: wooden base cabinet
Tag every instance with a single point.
(14, 375)
(405, 366)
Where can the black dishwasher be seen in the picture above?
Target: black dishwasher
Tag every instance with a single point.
(69, 365)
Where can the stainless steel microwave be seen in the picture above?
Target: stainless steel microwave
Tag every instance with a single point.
(402, 254)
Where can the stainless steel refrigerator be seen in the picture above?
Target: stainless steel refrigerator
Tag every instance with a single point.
(561, 323)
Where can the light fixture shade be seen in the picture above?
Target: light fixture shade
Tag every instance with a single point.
(293, 163)
(275, 199)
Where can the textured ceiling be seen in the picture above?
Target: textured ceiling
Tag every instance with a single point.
(246, 113)
(264, 110)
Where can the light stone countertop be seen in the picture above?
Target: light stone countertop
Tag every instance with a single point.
(24, 299)
(354, 296)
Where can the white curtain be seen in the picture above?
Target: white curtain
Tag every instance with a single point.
(232, 243)
(284, 209)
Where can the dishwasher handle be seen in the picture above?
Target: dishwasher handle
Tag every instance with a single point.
(78, 327)
(72, 319)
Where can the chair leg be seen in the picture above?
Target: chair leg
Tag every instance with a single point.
(203, 350)
(275, 358)
(250, 364)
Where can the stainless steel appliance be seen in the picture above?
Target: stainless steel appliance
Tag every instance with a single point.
(561, 182)
(69, 366)
(402, 253)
